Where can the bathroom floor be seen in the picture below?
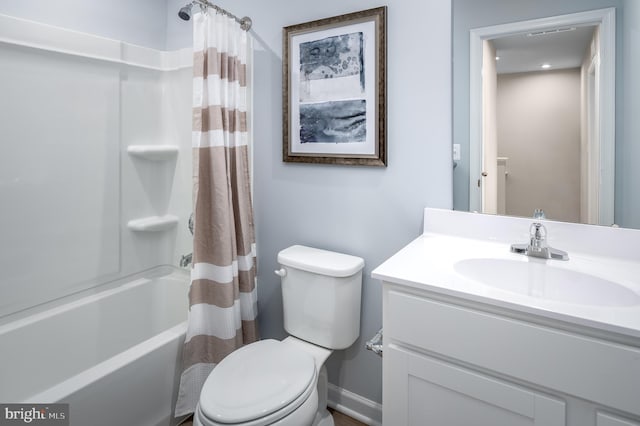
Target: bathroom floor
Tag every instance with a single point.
(338, 418)
(343, 420)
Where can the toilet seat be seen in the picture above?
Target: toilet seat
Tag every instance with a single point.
(257, 385)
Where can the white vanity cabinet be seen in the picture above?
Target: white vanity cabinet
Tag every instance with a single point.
(454, 362)
(435, 392)
(478, 335)
(604, 419)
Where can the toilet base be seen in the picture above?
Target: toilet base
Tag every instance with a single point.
(323, 418)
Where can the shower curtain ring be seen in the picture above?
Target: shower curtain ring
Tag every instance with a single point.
(246, 23)
(203, 6)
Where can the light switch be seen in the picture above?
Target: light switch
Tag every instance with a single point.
(456, 152)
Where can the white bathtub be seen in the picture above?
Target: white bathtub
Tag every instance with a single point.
(114, 356)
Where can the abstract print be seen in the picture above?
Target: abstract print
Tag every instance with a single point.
(332, 90)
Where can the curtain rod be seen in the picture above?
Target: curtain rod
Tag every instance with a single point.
(245, 22)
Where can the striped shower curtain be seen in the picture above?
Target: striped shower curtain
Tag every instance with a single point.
(222, 297)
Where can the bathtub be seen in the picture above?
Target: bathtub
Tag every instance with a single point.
(113, 356)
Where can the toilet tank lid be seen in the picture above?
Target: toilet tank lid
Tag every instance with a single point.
(320, 261)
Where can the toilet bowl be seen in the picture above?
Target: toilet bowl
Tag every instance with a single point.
(284, 383)
(266, 383)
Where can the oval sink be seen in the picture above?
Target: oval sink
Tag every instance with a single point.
(543, 281)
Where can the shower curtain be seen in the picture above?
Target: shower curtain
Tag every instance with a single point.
(222, 297)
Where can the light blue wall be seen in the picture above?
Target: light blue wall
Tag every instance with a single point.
(141, 22)
(628, 154)
(369, 212)
(474, 14)
(178, 32)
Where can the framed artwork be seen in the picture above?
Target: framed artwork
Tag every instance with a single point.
(334, 90)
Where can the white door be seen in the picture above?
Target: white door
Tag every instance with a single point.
(489, 180)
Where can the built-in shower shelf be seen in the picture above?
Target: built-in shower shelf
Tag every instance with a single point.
(153, 152)
(153, 223)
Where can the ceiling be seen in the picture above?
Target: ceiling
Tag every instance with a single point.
(561, 48)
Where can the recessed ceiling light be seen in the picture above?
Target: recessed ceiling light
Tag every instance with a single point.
(545, 66)
(497, 58)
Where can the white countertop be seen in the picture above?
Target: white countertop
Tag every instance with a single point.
(429, 263)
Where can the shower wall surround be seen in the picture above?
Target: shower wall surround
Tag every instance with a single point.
(140, 22)
(72, 104)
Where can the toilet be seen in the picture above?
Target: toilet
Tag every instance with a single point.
(284, 383)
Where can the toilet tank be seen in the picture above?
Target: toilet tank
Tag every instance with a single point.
(321, 295)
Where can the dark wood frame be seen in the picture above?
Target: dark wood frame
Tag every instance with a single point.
(379, 158)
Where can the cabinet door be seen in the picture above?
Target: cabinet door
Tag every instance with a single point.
(604, 419)
(419, 390)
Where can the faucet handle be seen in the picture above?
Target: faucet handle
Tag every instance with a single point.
(539, 214)
(537, 232)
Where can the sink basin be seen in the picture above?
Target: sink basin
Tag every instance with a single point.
(544, 281)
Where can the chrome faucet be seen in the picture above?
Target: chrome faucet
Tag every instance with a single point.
(538, 246)
(185, 260)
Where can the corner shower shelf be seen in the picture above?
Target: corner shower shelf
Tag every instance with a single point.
(153, 223)
(153, 152)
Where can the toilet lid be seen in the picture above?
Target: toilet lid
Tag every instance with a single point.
(255, 381)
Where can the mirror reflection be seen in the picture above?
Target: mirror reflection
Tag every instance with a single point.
(541, 93)
(543, 100)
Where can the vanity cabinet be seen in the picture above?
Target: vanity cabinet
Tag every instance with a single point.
(604, 419)
(437, 392)
(453, 362)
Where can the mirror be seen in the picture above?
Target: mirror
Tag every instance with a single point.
(583, 172)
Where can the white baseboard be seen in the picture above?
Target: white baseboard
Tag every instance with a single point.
(355, 406)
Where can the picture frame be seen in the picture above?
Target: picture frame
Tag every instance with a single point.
(334, 90)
